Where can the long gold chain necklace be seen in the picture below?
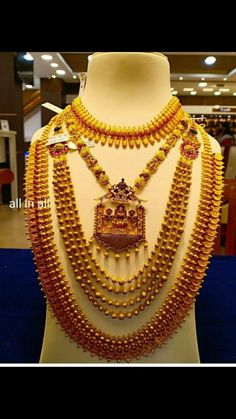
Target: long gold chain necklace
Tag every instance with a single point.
(182, 294)
(155, 273)
(120, 216)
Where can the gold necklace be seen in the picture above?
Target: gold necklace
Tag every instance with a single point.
(160, 126)
(155, 273)
(178, 301)
(182, 129)
(120, 217)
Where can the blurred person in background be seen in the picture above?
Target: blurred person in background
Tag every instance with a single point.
(226, 136)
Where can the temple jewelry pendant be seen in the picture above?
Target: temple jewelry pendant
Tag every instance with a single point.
(120, 219)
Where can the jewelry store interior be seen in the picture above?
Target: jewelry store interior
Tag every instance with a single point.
(118, 208)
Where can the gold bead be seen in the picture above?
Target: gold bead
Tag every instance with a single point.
(110, 141)
(117, 256)
(124, 143)
(127, 254)
(117, 143)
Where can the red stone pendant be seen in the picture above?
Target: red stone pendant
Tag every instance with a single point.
(120, 219)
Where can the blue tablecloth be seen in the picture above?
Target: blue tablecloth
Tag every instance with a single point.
(22, 310)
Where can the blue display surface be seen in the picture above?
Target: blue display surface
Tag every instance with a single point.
(22, 310)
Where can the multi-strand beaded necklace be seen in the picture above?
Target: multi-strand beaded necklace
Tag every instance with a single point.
(97, 284)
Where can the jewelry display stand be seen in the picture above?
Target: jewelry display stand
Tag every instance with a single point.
(125, 89)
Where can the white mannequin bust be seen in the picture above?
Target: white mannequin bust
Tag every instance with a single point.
(126, 89)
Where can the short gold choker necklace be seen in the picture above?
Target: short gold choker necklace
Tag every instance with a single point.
(156, 129)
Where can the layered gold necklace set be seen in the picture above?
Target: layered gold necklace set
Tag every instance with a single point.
(119, 227)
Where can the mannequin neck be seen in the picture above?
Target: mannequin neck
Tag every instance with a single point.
(127, 88)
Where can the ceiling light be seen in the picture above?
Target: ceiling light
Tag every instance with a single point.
(224, 90)
(46, 57)
(29, 86)
(210, 60)
(208, 89)
(174, 92)
(181, 78)
(234, 94)
(202, 84)
(28, 57)
(217, 106)
(61, 72)
(74, 77)
(188, 89)
(225, 79)
(193, 93)
(203, 78)
(53, 76)
(217, 93)
(54, 65)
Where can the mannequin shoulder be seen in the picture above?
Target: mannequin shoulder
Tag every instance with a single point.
(37, 134)
(214, 145)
